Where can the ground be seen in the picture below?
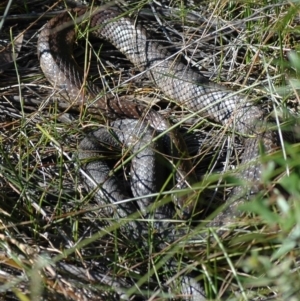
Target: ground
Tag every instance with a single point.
(55, 241)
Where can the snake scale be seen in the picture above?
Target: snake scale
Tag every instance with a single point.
(176, 79)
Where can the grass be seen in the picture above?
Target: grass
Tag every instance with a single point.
(55, 243)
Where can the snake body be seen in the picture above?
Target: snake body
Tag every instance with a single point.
(137, 138)
(177, 80)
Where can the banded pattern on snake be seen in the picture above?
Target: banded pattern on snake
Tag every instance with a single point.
(175, 79)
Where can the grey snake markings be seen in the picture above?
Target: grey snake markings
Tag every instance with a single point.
(177, 80)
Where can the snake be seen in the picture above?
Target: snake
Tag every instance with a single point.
(176, 79)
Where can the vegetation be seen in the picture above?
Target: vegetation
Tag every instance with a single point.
(54, 242)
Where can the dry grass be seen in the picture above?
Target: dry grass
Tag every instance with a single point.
(54, 242)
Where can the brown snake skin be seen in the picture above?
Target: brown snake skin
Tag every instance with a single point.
(176, 80)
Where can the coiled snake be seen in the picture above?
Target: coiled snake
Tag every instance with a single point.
(175, 79)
